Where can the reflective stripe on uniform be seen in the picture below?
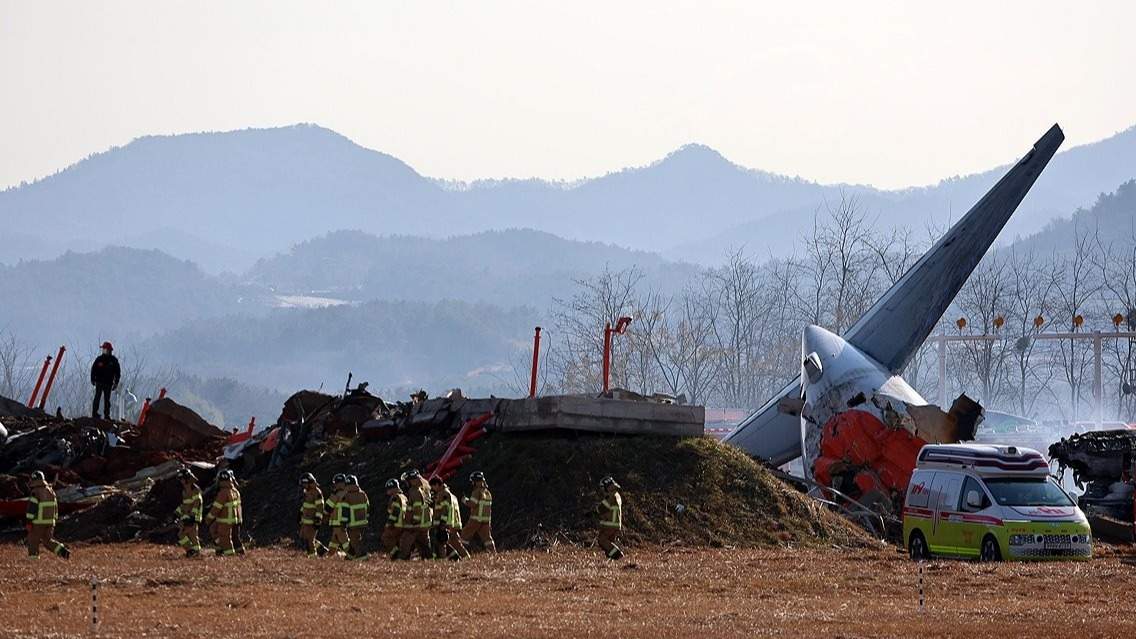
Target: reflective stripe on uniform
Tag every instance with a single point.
(481, 514)
(395, 510)
(191, 506)
(614, 517)
(353, 519)
(228, 511)
(40, 516)
(448, 512)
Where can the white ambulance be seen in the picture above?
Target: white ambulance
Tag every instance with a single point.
(991, 503)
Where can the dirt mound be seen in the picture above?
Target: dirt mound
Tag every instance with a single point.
(691, 491)
(171, 426)
(12, 408)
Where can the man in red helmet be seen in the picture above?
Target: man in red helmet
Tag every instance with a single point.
(105, 373)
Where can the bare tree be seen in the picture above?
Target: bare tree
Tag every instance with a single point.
(576, 356)
(982, 299)
(1030, 296)
(1117, 264)
(18, 366)
(1076, 289)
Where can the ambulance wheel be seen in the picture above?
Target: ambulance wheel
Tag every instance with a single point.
(990, 550)
(917, 547)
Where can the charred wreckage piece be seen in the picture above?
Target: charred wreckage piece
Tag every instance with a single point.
(1104, 465)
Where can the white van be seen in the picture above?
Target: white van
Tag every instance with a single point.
(990, 502)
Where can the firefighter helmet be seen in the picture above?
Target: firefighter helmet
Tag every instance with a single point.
(352, 480)
(37, 476)
(608, 481)
(339, 478)
(477, 476)
(392, 484)
(185, 474)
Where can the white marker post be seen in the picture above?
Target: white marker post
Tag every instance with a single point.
(94, 605)
(921, 586)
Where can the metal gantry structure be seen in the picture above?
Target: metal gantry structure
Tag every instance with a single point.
(1097, 338)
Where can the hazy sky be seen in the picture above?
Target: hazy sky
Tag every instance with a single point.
(891, 94)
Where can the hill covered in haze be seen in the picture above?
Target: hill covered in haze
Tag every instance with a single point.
(224, 199)
(506, 268)
(115, 293)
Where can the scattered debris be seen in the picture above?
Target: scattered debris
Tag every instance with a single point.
(1104, 465)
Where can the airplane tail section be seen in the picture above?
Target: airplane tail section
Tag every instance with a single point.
(902, 319)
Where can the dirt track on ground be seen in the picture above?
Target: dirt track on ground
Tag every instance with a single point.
(151, 591)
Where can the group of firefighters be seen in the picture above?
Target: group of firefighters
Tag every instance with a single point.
(422, 516)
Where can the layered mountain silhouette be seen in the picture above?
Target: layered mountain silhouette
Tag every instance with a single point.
(224, 199)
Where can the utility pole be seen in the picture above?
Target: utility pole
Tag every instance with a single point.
(1098, 394)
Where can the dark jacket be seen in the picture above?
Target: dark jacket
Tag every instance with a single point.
(105, 371)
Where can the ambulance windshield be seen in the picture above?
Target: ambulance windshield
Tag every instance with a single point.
(1027, 492)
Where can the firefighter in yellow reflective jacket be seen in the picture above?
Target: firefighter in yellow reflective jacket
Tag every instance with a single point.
(189, 513)
(311, 515)
(416, 520)
(225, 513)
(358, 511)
(611, 518)
(396, 512)
(480, 503)
(336, 511)
(447, 522)
(238, 545)
(43, 511)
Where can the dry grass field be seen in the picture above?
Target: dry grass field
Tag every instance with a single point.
(150, 591)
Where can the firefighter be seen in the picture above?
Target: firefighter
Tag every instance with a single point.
(224, 514)
(43, 511)
(336, 513)
(311, 515)
(358, 509)
(105, 374)
(611, 518)
(189, 513)
(416, 520)
(480, 504)
(396, 509)
(238, 545)
(447, 522)
(413, 478)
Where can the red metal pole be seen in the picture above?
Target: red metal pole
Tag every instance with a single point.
(39, 382)
(536, 361)
(51, 378)
(142, 413)
(607, 357)
(146, 407)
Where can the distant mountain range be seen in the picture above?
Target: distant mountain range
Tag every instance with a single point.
(225, 199)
